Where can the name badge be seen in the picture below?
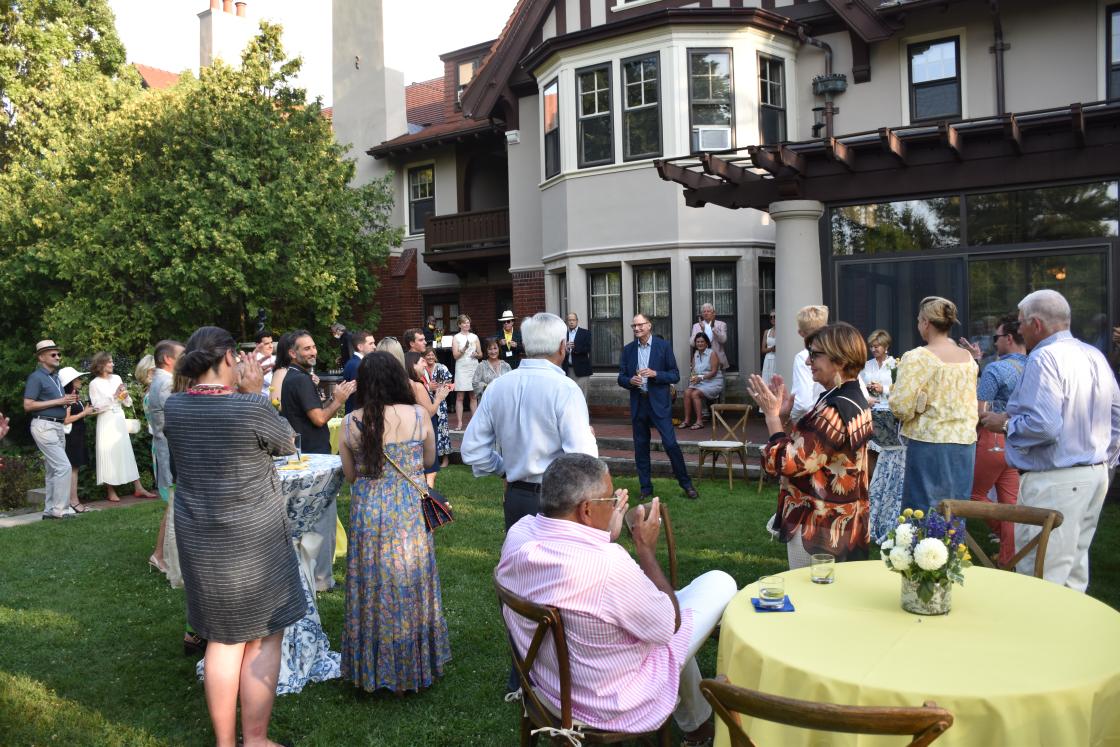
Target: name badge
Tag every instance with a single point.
(509, 353)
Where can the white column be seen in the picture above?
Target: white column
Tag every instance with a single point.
(797, 272)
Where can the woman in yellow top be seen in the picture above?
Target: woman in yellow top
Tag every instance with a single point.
(935, 401)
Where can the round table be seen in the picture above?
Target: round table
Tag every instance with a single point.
(1018, 661)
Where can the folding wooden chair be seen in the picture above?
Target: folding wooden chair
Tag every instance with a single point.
(538, 713)
(727, 439)
(924, 724)
(1047, 519)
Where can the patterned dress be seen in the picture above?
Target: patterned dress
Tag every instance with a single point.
(395, 635)
(441, 375)
(823, 469)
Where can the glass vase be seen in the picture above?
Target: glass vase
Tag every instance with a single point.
(939, 604)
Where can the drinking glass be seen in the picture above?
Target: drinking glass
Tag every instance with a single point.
(299, 448)
(772, 592)
(822, 569)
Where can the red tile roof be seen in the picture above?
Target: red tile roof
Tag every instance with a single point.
(155, 78)
(424, 102)
(328, 113)
(437, 134)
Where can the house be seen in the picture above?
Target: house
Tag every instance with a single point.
(613, 156)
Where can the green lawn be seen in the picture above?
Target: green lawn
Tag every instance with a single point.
(91, 651)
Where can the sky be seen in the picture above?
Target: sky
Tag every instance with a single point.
(164, 33)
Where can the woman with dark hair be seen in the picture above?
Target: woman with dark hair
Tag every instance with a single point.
(116, 464)
(822, 494)
(77, 451)
(239, 568)
(704, 383)
(439, 375)
(280, 368)
(395, 636)
(429, 399)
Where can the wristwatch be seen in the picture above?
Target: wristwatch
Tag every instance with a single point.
(1003, 428)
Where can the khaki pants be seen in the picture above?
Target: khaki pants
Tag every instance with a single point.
(582, 381)
(51, 440)
(1078, 492)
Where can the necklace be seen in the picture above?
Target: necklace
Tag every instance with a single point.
(210, 389)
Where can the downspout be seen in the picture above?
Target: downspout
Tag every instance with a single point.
(825, 85)
(998, 48)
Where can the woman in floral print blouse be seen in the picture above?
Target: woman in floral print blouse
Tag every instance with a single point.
(822, 463)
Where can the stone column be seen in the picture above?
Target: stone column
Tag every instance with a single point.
(797, 272)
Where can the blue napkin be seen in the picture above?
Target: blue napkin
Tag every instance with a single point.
(787, 607)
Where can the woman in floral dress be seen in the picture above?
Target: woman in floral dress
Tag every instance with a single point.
(395, 635)
(439, 374)
(822, 498)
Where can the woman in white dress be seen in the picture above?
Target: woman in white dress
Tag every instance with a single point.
(468, 352)
(116, 464)
(769, 344)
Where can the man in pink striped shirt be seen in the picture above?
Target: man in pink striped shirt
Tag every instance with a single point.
(631, 638)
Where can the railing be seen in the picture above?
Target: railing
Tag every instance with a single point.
(480, 228)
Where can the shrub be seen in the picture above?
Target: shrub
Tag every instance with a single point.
(18, 474)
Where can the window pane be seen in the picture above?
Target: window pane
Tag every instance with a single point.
(606, 342)
(420, 211)
(886, 294)
(711, 114)
(773, 125)
(551, 107)
(937, 100)
(1078, 211)
(552, 153)
(606, 317)
(997, 285)
(595, 140)
(653, 300)
(1114, 33)
(634, 94)
(909, 225)
(715, 284)
(642, 133)
(933, 61)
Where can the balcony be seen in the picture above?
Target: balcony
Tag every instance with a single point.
(462, 241)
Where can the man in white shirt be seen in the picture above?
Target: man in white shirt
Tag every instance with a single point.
(264, 353)
(714, 329)
(804, 392)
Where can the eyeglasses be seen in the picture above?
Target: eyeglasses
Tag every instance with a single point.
(1002, 334)
(814, 354)
(614, 499)
(639, 325)
(54, 355)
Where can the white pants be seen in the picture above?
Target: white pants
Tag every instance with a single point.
(323, 564)
(51, 440)
(1078, 492)
(706, 596)
(582, 381)
(796, 554)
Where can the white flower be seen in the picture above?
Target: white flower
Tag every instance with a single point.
(930, 554)
(900, 558)
(904, 535)
(885, 549)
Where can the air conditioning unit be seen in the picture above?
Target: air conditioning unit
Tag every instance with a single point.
(713, 138)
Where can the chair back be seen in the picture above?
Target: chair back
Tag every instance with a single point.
(1047, 519)
(670, 541)
(726, 427)
(923, 724)
(548, 621)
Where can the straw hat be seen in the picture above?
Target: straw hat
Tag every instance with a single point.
(44, 345)
(506, 317)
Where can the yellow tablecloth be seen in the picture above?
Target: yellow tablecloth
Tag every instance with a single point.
(335, 425)
(1017, 661)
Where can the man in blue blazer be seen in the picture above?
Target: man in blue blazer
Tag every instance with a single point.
(363, 344)
(577, 361)
(647, 369)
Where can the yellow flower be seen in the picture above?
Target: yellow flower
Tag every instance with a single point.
(961, 549)
(276, 403)
(918, 514)
(908, 513)
(901, 519)
(952, 531)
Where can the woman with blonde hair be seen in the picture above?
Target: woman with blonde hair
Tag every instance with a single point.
(935, 400)
(116, 464)
(468, 352)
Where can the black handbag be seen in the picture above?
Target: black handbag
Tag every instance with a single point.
(435, 508)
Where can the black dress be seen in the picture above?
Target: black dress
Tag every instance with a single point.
(77, 448)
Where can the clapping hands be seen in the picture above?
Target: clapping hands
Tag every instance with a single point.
(769, 398)
(4, 426)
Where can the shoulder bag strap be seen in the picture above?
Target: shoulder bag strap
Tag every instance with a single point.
(423, 490)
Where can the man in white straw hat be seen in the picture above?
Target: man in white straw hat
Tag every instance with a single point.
(44, 397)
(509, 340)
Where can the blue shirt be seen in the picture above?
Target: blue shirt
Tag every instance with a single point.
(43, 387)
(643, 360)
(1000, 378)
(1066, 410)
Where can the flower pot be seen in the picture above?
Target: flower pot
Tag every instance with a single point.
(939, 604)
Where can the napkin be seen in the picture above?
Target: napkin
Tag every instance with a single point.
(292, 467)
(787, 607)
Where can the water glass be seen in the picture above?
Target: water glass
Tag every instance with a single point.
(772, 592)
(822, 569)
(299, 448)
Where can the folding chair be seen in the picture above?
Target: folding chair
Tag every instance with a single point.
(727, 439)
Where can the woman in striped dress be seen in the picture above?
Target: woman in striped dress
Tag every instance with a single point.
(231, 528)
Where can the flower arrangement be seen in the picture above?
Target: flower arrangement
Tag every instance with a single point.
(892, 366)
(930, 553)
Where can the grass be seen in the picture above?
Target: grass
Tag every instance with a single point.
(91, 650)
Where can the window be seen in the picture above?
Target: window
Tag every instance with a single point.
(421, 197)
(562, 292)
(766, 294)
(771, 100)
(466, 71)
(641, 107)
(710, 99)
(445, 309)
(1075, 211)
(935, 80)
(651, 287)
(606, 316)
(715, 284)
(903, 226)
(551, 129)
(593, 97)
(1113, 42)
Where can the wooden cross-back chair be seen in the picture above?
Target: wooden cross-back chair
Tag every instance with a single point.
(923, 724)
(670, 542)
(537, 713)
(1047, 519)
(728, 438)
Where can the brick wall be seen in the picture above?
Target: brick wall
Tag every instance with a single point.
(528, 293)
(397, 296)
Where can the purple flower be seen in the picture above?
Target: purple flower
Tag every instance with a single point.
(936, 526)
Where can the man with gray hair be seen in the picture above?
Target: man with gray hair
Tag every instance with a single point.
(1063, 435)
(632, 639)
(529, 417)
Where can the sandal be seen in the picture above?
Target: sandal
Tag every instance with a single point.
(79, 508)
(193, 644)
(695, 426)
(684, 424)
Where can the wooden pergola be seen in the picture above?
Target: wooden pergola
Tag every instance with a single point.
(1078, 142)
